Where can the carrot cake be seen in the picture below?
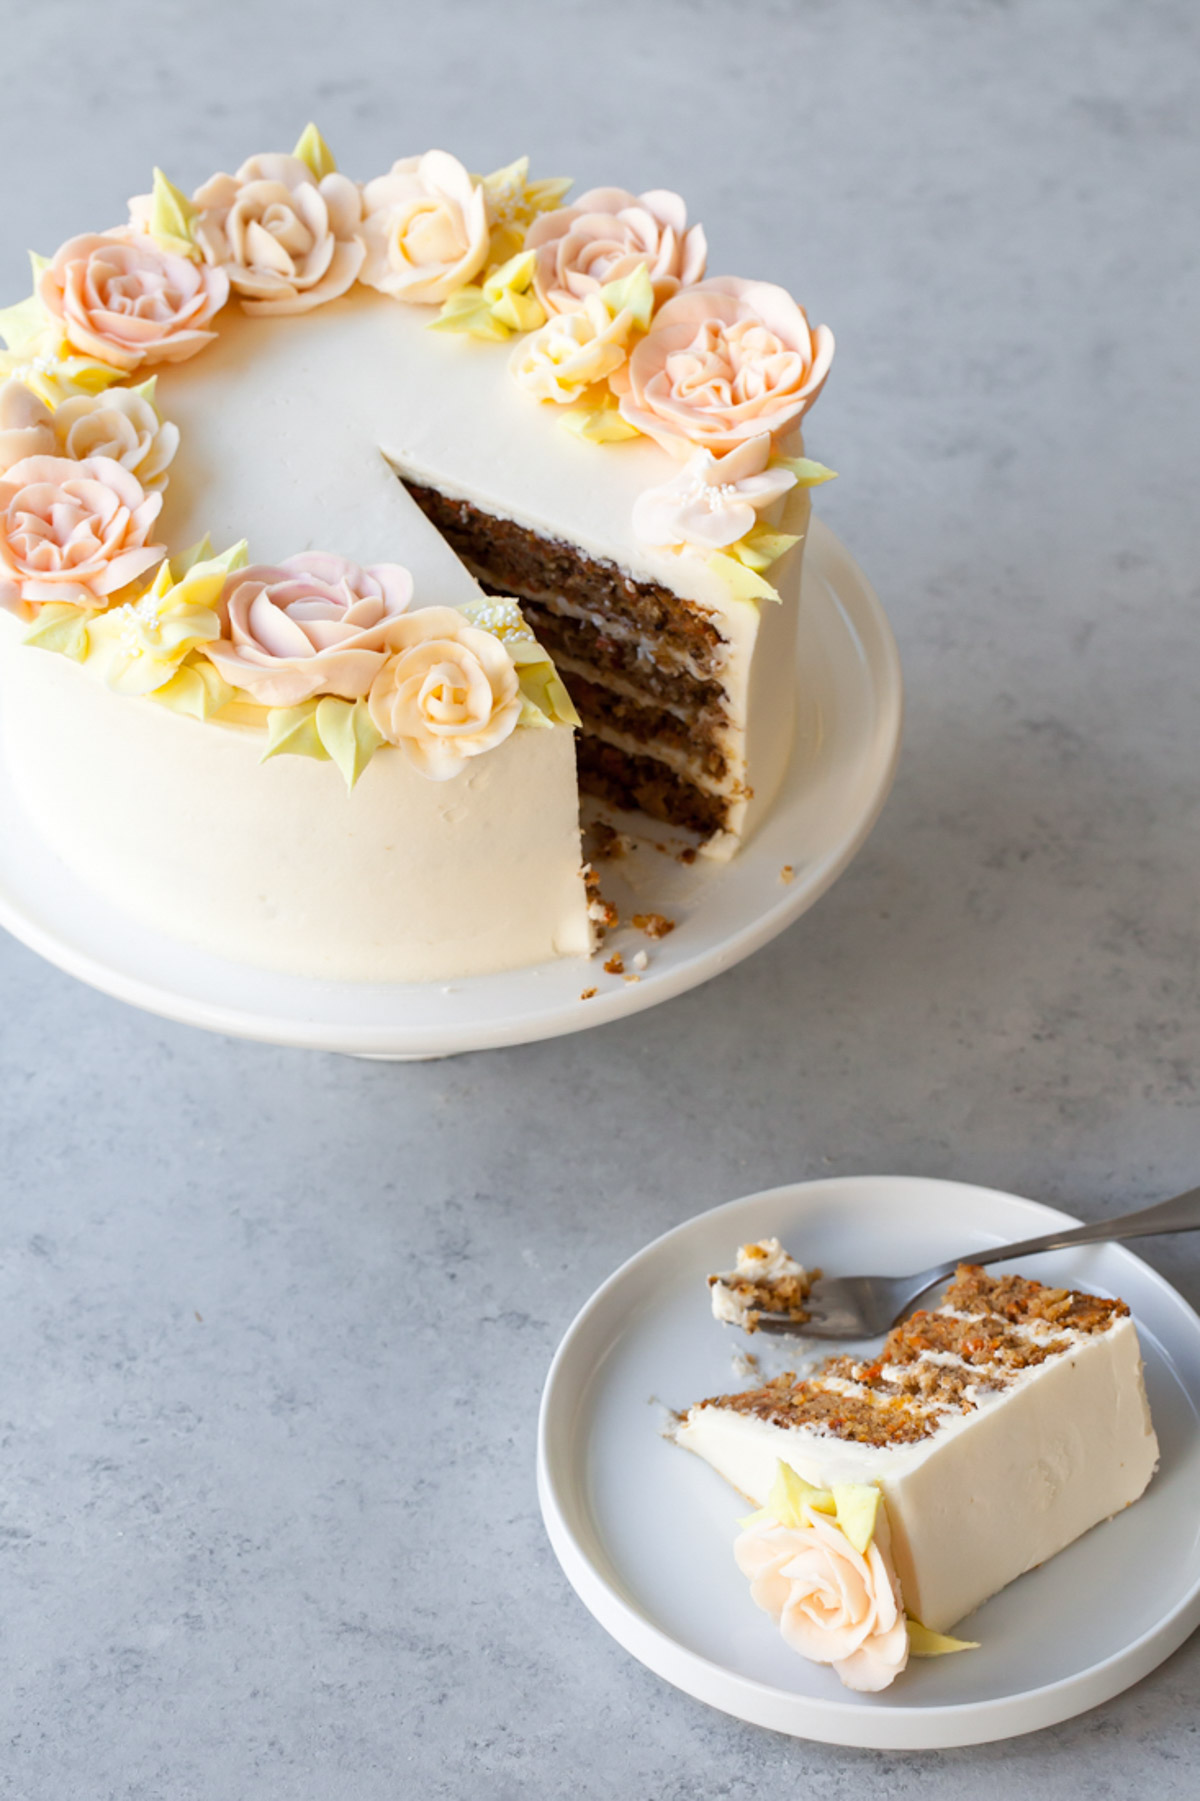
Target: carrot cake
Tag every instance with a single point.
(987, 1434)
(366, 522)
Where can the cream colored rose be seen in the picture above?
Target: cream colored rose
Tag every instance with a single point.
(287, 242)
(722, 362)
(126, 302)
(314, 624)
(712, 501)
(425, 228)
(604, 236)
(833, 1604)
(449, 693)
(122, 424)
(73, 532)
(26, 425)
(571, 351)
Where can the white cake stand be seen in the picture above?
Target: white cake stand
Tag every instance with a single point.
(847, 742)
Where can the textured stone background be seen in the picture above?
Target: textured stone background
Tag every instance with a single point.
(267, 1535)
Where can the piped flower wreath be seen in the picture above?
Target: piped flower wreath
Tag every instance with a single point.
(613, 319)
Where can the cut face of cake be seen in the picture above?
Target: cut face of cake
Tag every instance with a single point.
(765, 1279)
(997, 1428)
(285, 485)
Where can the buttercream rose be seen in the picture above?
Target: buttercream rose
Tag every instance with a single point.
(425, 229)
(713, 501)
(834, 1604)
(313, 624)
(126, 302)
(605, 235)
(571, 351)
(26, 425)
(73, 532)
(286, 242)
(449, 693)
(722, 362)
(121, 424)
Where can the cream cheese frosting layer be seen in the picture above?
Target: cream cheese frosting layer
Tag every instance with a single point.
(988, 1495)
(402, 879)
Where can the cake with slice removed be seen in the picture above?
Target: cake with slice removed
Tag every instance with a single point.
(995, 1429)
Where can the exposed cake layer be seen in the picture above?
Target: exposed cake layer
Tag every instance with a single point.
(645, 784)
(999, 1428)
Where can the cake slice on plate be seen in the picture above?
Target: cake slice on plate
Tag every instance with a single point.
(987, 1434)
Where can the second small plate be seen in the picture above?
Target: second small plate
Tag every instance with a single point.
(644, 1531)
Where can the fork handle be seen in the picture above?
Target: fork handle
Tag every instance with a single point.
(1180, 1214)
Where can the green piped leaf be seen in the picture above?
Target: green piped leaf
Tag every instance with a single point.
(857, 1505)
(761, 547)
(292, 732)
(924, 1643)
(313, 150)
(348, 733)
(195, 689)
(173, 218)
(807, 473)
(633, 294)
(62, 629)
(743, 583)
(791, 1494)
(544, 699)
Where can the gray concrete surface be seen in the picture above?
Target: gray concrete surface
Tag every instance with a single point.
(266, 1533)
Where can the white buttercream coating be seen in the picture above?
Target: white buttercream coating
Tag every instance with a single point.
(991, 1493)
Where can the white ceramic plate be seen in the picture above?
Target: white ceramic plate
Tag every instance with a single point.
(644, 1531)
(847, 742)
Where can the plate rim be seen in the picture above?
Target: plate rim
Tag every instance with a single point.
(881, 746)
(880, 1727)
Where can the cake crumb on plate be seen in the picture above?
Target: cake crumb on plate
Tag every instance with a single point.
(655, 925)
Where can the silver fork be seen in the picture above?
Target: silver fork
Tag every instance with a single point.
(869, 1306)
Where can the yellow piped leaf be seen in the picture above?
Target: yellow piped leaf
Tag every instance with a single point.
(544, 699)
(791, 1494)
(173, 218)
(633, 294)
(599, 424)
(924, 1643)
(348, 733)
(743, 583)
(501, 306)
(807, 473)
(513, 203)
(196, 689)
(857, 1506)
(313, 150)
(62, 629)
(292, 731)
(22, 325)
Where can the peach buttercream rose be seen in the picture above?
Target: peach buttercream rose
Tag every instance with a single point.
(286, 241)
(833, 1604)
(313, 624)
(122, 424)
(572, 351)
(604, 235)
(73, 532)
(126, 302)
(450, 692)
(26, 426)
(426, 229)
(724, 361)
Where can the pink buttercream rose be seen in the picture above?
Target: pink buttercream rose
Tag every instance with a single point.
(450, 692)
(286, 241)
(126, 302)
(722, 362)
(26, 426)
(833, 1604)
(426, 229)
(605, 235)
(313, 624)
(73, 532)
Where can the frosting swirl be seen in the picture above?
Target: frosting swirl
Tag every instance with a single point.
(313, 624)
(722, 362)
(712, 501)
(425, 228)
(449, 693)
(287, 242)
(834, 1604)
(126, 302)
(605, 235)
(73, 532)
